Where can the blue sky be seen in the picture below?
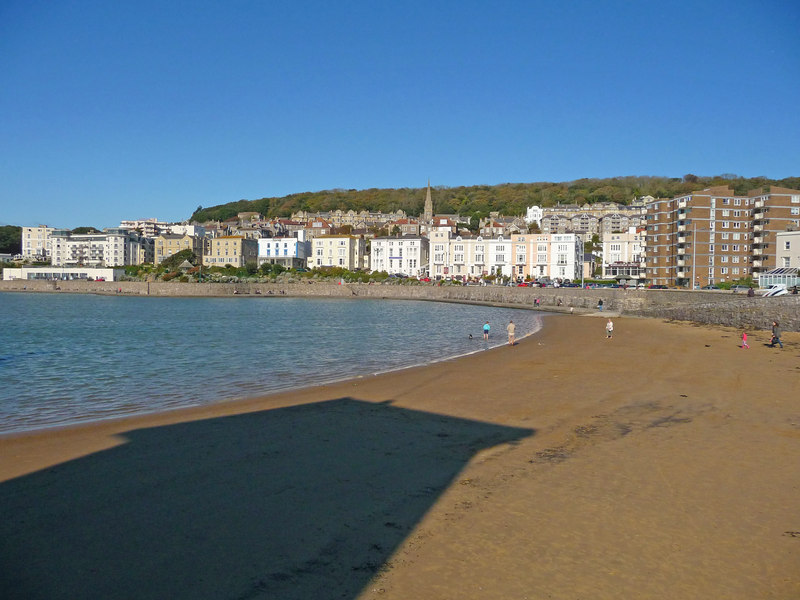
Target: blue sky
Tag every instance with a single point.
(124, 110)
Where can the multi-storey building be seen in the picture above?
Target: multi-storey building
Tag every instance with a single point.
(517, 256)
(346, 251)
(623, 255)
(588, 218)
(115, 247)
(146, 227)
(167, 244)
(36, 242)
(234, 250)
(773, 212)
(788, 249)
(406, 255)
(714, 235)
(290, 252)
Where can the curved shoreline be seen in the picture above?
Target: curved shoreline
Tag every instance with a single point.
(146, 397)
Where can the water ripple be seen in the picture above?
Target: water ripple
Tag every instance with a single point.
(73, 358)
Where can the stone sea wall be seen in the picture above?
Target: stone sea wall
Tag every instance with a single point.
(713, 307)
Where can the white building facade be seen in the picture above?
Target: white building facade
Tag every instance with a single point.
(787, 249)
(36, 242)
(115, 247)
(289, 252)
(624, 255)
(520, 256)
(406, 255)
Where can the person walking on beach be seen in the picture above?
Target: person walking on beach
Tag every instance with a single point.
(486, 331)
(609, 329)
(744, 340)
(776, 335)
(510, 328)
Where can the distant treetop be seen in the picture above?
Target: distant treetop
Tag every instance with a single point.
(507, 198)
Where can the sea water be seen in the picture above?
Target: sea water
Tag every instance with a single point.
(67, 358)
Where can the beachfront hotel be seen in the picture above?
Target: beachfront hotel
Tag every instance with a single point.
(407, 255)
(289, 252)
(234, 250)
(36, 242)
(168, 244)
(624, 255)
(711, 236)
(345, 251)
(115, 247)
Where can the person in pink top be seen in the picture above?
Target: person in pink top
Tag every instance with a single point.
(744, 340)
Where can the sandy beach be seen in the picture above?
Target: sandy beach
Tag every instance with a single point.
(662, 463)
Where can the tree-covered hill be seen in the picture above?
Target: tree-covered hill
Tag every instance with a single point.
(508, 198)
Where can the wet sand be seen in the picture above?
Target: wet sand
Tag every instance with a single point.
(663, 463)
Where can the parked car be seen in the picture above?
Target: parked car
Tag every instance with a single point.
(739, 288)
(709, 287)
(656, 286)
(776, 289)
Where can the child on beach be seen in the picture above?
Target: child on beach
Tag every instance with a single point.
(744, 340)
(609, 329)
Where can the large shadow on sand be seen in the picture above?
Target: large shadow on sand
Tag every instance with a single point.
(293, 503)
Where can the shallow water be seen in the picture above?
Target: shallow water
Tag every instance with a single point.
(72, 358)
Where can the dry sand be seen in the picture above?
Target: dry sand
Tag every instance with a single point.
(664, 463)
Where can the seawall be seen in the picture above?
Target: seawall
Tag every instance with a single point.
(711, 307)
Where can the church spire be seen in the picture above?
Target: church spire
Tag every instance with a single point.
(427, 216)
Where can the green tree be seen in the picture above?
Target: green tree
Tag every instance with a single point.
(10, 239)
(172, 263)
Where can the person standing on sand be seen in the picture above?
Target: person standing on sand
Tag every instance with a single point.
(609, 329)
(510, 328)
(776, 335)
(744, 340)
(486, 331)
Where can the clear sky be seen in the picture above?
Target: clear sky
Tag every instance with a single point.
(124, 110)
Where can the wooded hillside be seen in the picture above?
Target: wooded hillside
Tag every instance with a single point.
(508, 198)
